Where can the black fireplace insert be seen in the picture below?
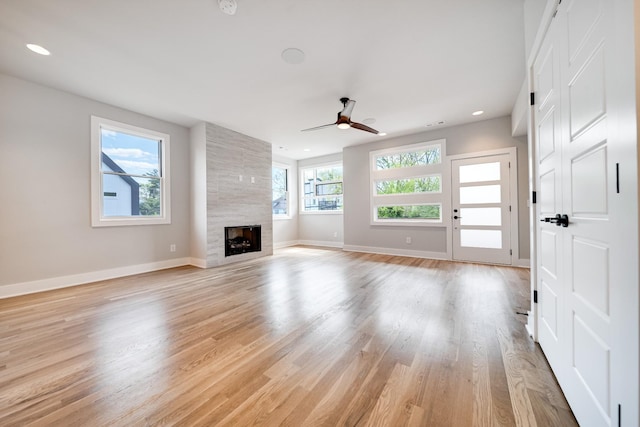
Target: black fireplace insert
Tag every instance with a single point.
(242, 239)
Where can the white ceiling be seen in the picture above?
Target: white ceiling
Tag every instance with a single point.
(406, 63)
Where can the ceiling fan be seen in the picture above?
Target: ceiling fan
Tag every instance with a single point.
(344, 119)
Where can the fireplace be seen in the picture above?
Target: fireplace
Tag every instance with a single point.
(242, 239)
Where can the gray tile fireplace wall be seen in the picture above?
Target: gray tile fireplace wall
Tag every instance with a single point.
(238, 190)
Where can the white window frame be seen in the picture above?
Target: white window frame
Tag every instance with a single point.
(407, 199)
(302, 195)
(287, 168)
(97, 218)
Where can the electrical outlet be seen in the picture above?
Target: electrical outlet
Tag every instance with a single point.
(172, 247)
(253, 179)
(408, 240)
(335, 234)
(240, 178)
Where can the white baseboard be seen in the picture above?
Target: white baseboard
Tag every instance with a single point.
(398, 252)
(519, 262)
(321, 243)
(198, 262)
(35, 286)
(279, 245)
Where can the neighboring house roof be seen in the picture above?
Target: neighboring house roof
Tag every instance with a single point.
(135, 187)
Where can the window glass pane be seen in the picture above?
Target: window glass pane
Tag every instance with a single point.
(426, 156)
(329, 174)
(430, 212)
(279, 185)
(280, 203)
(130, 154)
(480, 216)
(323, 203)
(328, 189)
(480, 194)
(490, 239)
(124, 195)
(428, 184)
(307, 175)
(322, 189)
(480, 172)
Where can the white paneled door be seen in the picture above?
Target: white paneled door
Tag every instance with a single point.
(481, 206)
(576, 182)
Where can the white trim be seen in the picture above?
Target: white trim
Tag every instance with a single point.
(35, 286)
(280, 245)
(522, 262)
(321, 243)
(436, 169)
(302, 196)
(398, 252)
(287, 169)
(512, 152)
(198, 262)
(97, 220)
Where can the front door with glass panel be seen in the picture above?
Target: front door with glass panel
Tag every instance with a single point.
(481, 209)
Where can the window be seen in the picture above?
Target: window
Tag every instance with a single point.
(280, 191)
(407, 184)
(129, 174)
(321, 189)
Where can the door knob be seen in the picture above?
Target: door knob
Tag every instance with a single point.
(559, 220)
(456, 217)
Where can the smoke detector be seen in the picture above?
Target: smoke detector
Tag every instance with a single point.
(228, 6)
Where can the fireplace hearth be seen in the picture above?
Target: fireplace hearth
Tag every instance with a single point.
(242, 239)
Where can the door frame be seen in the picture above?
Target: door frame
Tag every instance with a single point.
(512, 152)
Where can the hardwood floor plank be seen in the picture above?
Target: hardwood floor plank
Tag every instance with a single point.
(306, 337)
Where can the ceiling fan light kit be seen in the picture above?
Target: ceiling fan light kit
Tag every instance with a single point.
(344, 119)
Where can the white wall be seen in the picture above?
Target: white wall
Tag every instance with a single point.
(45, 199)
(325, 229)
(285, 230)
(426, 241)
(533, 11)
(198, 191)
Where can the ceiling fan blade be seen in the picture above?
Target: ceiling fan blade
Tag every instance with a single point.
(319, 127)
(363, 127)
(348, 108)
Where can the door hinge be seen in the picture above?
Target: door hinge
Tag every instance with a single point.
(556, 12)
(535, 296)
(509, 208)
(619, 415)
(618, 178)
(510, 251)
(532, 98)
(533, 197)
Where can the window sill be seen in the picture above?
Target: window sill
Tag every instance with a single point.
(123, 222)
(321, 212)
(408, 223)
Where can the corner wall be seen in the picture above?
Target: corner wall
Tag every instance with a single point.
(359, 234)
(285, 230)
(46, 238)
(238, 182)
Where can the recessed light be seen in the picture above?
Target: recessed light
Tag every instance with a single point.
(293, 55)
(382, 134)
(477, 113)
(307, 149)
(38, 49)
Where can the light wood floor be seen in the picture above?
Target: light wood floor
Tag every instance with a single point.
(306, 337)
